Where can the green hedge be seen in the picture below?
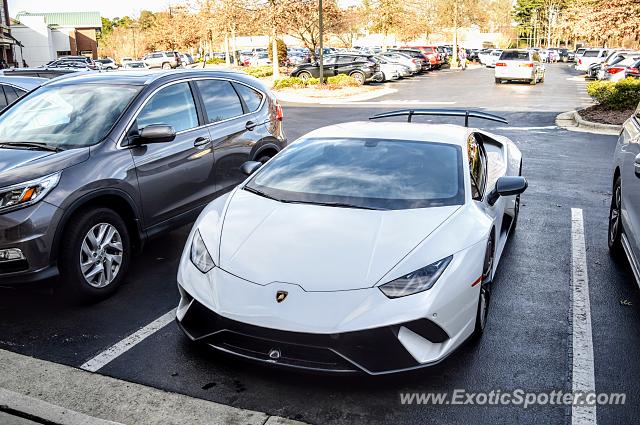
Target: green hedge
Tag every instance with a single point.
(624, 94)
(211, 61)
(260, 71)
(335, 82)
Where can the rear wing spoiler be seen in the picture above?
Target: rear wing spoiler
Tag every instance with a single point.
(409, 113)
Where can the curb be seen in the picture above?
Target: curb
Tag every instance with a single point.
(293, 98)
(572, 121)
(52, 393)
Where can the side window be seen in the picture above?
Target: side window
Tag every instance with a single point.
(251, 98)
(10, 93)
(3, 100)
(329, 60)
(221, 101)
(344, 59)
(19, 92)
(172, 105)
(477, 167)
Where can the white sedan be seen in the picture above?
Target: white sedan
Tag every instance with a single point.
(362, 247)
(519, 65)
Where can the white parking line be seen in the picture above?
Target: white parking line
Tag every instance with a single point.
(583, 378)
(121, 347)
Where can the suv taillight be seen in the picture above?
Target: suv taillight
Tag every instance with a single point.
(614, 70)
(632, 70)
(279, 111)
(501, 64)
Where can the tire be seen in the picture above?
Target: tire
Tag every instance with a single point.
(304, 75)
(484, 296)
(615, 220)
(359, 77)
(166, 65)
(89, 280)
(383, 79)
(498, 81)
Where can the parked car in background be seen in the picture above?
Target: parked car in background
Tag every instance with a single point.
(425, 65)
(483, 56)
(135, 65)
(101, 162)
(107, 63)
(633, 70)
(624, 211)
(571, 56)
(260, 58)
(164, 60)
(74, 63)
(187, 59)
(493, 58)
(519, 65)
(430, 53)
(125, 59)
(361, 67)
(561, 53)
(590, 57)
(12, 88)
(414, 65)
(89, 62)
(390, 71)
(617, 71)
(613, 59)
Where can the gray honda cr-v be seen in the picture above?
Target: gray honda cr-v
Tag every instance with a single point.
(93, 165)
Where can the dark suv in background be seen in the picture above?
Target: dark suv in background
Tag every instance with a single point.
(361, 67)
(95, 164)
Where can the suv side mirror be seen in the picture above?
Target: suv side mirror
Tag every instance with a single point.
(507, 186)
(250, 167)
(156, 133)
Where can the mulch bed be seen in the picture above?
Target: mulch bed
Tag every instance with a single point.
(600, 115)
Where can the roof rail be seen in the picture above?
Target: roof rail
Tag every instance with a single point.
(409, 113)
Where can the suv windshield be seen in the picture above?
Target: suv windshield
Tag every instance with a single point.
(66, 116)
(514, 56)
(364, 173)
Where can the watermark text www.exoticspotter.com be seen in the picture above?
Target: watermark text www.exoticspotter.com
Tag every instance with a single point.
(518, 397)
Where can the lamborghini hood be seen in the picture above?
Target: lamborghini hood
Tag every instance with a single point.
(316, 247)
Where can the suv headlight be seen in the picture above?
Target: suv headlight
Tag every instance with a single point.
(200, 257)
(27, 193)
(418, 281)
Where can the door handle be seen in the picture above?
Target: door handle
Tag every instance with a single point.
(250, 125)
(636, 165)
(200, 141)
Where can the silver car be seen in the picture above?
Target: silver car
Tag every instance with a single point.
(624, 214)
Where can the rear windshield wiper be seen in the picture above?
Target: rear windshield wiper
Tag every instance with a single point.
(32, 145)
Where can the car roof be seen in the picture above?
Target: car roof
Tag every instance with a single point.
(437, 133)
(27, 83)
(146, 77)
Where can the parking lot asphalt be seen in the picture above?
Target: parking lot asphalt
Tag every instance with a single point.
(527, 344)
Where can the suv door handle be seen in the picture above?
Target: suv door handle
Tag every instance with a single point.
(636, 165)
(200, 141)
(250, 125)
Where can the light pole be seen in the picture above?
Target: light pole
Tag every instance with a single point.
(320, 56)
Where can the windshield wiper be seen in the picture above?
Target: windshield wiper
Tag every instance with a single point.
(32, 145)
(260, 193)
(335, 204)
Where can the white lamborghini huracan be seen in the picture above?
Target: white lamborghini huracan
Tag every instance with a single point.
(365, 246)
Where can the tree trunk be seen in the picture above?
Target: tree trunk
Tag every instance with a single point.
(234, 45)
(227, 55)
(274, 51)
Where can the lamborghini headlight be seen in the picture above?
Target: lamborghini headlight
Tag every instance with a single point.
(200, 257)
(418, 281)
(27, 193)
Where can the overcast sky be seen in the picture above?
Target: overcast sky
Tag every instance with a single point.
(107, 8)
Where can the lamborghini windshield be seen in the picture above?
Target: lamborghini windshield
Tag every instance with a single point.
(364, 173)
